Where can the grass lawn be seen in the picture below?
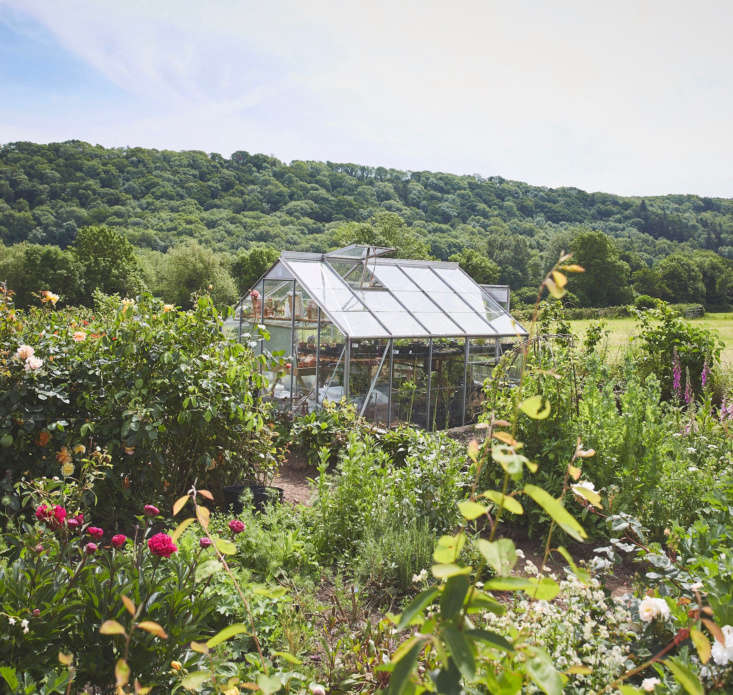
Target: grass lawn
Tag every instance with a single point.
(622, 331)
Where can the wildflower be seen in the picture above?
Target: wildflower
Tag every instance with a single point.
(676, 374)
(90, 548)
(48, 296)
(67, 469)
(705, 375)
(151, 510)
(118, 540)
(167, 308)
(236, 526)
(33, 363)
(24, 625)
(648, 684)
(79, 336)
(11, 621)
(688, 388)
(651, 608)
(24, 352)
(204, 542)
(126, 303)
(723, 653)
(162, 545)
(95, 532)
(79, 449)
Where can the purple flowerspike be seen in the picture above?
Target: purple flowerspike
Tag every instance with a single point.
(705, 374)
(677, 375)
(688, 388)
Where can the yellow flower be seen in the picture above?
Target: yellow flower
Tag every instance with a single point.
(129, 450)
(167, 308)
(79, 449)
(67, 469)
(126, 303)
(48, 296)
(63, 456)
(176, 665)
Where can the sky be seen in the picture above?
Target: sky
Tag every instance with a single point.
(632, 97)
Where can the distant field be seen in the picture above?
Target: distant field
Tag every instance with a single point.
(623, 329)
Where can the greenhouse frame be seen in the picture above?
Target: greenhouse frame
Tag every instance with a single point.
(405, 341)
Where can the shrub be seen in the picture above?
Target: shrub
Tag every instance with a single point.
(644, 301)
(164, 392)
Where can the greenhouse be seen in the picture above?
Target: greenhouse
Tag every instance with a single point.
(406, 341)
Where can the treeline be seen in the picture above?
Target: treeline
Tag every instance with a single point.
(677, 247)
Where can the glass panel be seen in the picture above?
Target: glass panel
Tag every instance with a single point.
(446, 385)
(366, 358)
(325, 286)
(304, 349)
(506, 325)
(481, 361)
(277, 299)
(331, 363)
(393, 278)
(391, 313)
(438, 323)
(472, 324)
(359, 324)
(409, 382)
(480, 300)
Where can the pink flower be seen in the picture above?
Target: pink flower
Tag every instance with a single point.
(95, 532)
(236, 526)
(39, 548)
(151, 510)
(205, 542)
(79, 336)
(24, 352)
(118, 540)
(73, 523)
(80, 518)
(36, 612)
(42, 512)
(705, 374)
(59, 516)
(162, 545)
(33, 363)
(90, 548)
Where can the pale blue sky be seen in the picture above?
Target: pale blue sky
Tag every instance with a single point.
(630, 97)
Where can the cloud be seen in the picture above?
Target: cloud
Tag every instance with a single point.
(630, 100)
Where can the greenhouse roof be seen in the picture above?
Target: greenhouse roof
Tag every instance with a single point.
(367, 295)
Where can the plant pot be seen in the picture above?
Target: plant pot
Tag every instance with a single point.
(261, 495)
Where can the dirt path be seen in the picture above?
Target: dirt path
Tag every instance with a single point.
(294, 482)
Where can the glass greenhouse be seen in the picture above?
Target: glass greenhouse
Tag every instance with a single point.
(406, 341)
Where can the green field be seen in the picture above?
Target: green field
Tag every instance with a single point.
(622, 330)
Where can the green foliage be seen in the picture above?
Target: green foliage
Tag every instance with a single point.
(164, 392)
(108, 261)
(159, 199)
(606, 278)
(249, 266)
(481, 268)
(189, 270)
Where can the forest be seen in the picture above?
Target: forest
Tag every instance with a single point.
(184, 221)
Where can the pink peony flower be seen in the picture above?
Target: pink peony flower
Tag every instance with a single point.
(36, 612)
(205, 542)
(236, 526)
(95, 532)
(73, 523)
(151, 510)
(90, 548)
(118, 540)
(162, 545)
(42, 512)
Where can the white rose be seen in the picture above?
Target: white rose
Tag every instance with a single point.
(651, 608)
(648, 684)
(723, 653)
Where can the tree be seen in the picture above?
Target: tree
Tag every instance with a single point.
(511, 253)
(682, 279)
(29, 269)
(250, 266)
(647, 281)
(717, 276)
(108, 261)
(482, 269)
(191, 268)
(605, 281)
